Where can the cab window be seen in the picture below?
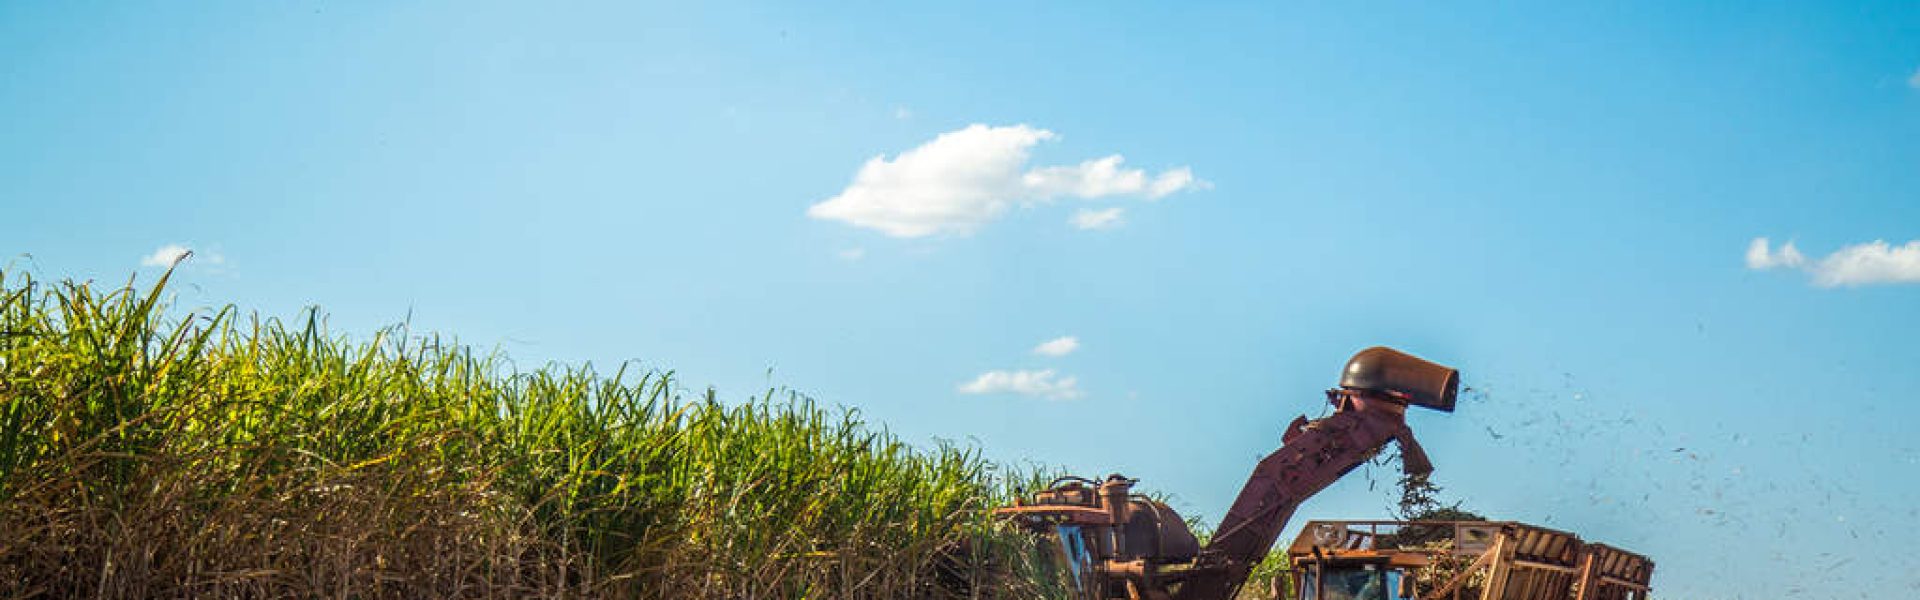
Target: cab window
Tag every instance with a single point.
(1345, 584)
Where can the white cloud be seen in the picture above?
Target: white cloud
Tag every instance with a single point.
(855, 253)
(1874, 262)
(1060, 346)
(1038, 384)
(1102, 177)
(1175, 180)
(1760, 258)
(902, 113)
(964, 179)
(1855, 265)
(165, 256)
(1108, 218)
(1913, 81)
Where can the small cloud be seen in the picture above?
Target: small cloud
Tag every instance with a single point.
(166, 256)
(855, 253)
(1760, 257)
(1056, 347)
(963, 179)
(1102, 177)
(1913, 81)
(1175, 180)
(1107, 218)
(902, 113)
(1856, 265)
(1038, 384)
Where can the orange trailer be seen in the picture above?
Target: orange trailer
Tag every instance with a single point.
(1460, 560)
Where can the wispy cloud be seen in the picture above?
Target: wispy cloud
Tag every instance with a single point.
(1060, 346)
(1106, 218)
(1873, 262)
(1038, 384)
(165, 256)
(964, 179)
(855, 253)
(1913, 81)
(1102, 177)
(1761, 257)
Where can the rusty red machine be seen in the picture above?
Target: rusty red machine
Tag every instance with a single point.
(1117, 544)
(1460, 560)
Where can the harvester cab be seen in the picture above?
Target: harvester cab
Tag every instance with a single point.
(1353, 580)
(1117, 544)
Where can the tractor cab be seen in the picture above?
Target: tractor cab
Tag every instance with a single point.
(1353, 580)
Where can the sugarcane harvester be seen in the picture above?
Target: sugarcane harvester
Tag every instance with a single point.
(1117, 544)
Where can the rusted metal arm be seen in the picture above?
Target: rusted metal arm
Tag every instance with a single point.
(1312, 455)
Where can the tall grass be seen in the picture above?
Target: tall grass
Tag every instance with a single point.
(145, 453)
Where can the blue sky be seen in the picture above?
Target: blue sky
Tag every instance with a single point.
(1561, 200)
